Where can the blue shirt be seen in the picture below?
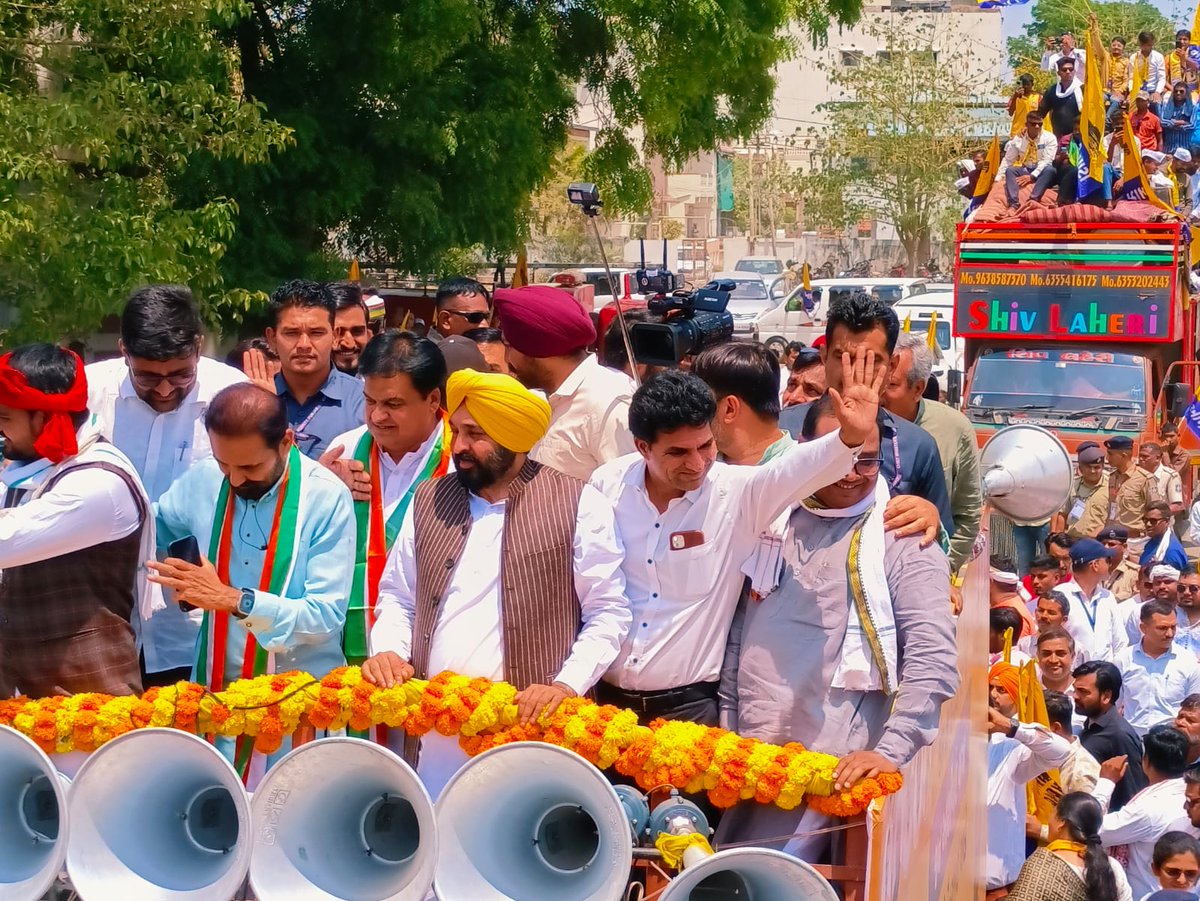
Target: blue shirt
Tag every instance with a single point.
(1175, 556)
(911, 463)
(337, 407)
(303, 626)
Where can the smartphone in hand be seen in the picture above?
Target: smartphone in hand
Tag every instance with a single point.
(188, 550)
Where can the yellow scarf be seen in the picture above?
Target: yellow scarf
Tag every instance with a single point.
(1063, 845)
(1029, 157)
(1141, 72)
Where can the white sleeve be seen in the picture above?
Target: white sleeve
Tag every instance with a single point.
(600, 586)
(83, 509)
(1047, 751)
(791, 477)
(396, 606)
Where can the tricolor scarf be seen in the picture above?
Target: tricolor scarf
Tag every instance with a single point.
(376, 529)
(869, 651)
(278, 562)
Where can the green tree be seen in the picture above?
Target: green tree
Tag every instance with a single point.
(1117, 19)
(426, 124)
(104, 103)
(888, 152)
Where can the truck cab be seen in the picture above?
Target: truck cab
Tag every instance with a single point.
(1081, 329)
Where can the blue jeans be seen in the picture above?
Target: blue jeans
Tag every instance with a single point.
(1030, 541)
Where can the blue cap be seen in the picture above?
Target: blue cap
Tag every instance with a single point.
(1085, 550)
(1113, 532)
(1119, 443)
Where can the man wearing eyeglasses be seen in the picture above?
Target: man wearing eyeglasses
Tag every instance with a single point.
(853, 654)
(461, 304)
(150, 404)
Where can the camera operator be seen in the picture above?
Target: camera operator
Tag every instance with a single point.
(911, 464)
(688, 522)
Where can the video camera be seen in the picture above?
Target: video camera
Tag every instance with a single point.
(701, 320)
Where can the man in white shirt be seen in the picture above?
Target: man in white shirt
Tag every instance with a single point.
(1095, 623)
(74, 532)
(1148, 71)
(1156, 674)
(688, 523)
(405, 441)
(1028, 155)
(150, 404)
(1080, 771)
(1017, 753)
(547, 333)
(1067, 50)
(505, 570)
(1187, 612)
(1153, 811)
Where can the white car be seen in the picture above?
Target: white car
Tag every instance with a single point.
(767, 267)
(748, 300)
(789, 321)
(919, 312)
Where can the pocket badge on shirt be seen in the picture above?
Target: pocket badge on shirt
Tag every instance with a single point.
(681, 541)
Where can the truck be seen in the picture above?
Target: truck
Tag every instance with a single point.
(1086, 329)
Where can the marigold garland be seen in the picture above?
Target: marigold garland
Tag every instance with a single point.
(483, 714)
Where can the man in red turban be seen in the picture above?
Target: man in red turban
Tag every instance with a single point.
(75, 530)
(548, 335)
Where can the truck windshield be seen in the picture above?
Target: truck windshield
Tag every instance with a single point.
(1063, 381)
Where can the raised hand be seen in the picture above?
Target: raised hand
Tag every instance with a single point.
(259, 369)
(856, 406)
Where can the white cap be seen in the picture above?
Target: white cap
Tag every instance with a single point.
(1153, 155)
(1162, 571)
(1182, 154)
(1004, 577)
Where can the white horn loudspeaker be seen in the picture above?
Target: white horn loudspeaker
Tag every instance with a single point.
(342, 818)
(33, 819)
(530, 820)
(1026, 473)
(749, 874)
(158, 815)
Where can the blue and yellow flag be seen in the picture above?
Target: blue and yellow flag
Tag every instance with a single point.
(987, 175)
(1136, 185)
(1091, 125)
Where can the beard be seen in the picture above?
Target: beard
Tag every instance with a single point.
(483, 473)
(9, 452)
(257, 490)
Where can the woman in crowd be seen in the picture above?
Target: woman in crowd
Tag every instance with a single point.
(1073, 867)
(1176, 862)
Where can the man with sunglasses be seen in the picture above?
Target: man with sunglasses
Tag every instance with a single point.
(1187, 611)
(150, 404)
(460, 305)
(863, 679)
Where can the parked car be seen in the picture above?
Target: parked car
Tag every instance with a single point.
(789, 321)
(764, 266)
(748, 300)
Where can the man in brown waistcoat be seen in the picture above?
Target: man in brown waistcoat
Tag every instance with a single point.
(75, 530)
(506, 569)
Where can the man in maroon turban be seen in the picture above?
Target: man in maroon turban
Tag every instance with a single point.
(548, 334)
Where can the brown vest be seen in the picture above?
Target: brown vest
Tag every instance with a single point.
(539, 608)
(87, 596)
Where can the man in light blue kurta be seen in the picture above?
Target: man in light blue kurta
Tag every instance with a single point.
(296, 612)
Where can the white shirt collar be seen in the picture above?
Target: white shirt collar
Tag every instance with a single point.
(572, 382)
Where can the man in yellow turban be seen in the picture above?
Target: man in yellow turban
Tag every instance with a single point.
(506, 570)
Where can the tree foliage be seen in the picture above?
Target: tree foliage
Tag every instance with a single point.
(1117, 19)
(888, 152)
(103, 104)
(426, 124)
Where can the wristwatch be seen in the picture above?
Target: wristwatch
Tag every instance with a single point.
(1015, 724)
(246, 605)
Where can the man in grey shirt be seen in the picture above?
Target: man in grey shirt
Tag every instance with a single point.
(857, 670)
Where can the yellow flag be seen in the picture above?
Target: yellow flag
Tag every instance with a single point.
(806, 277)
(354, 275)
(1091, 122)
(1044, 792)
(931, 334)
(1196, 25)
(1135, 183)
(907, 322)
(987, 170)
(521, 272)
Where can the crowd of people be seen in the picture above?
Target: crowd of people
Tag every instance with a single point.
(765, 546)
(1156, 93)
(1109, 611)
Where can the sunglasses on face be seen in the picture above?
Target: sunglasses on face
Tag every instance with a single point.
(476, 318)
(1190, 589)
(1152, 520)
